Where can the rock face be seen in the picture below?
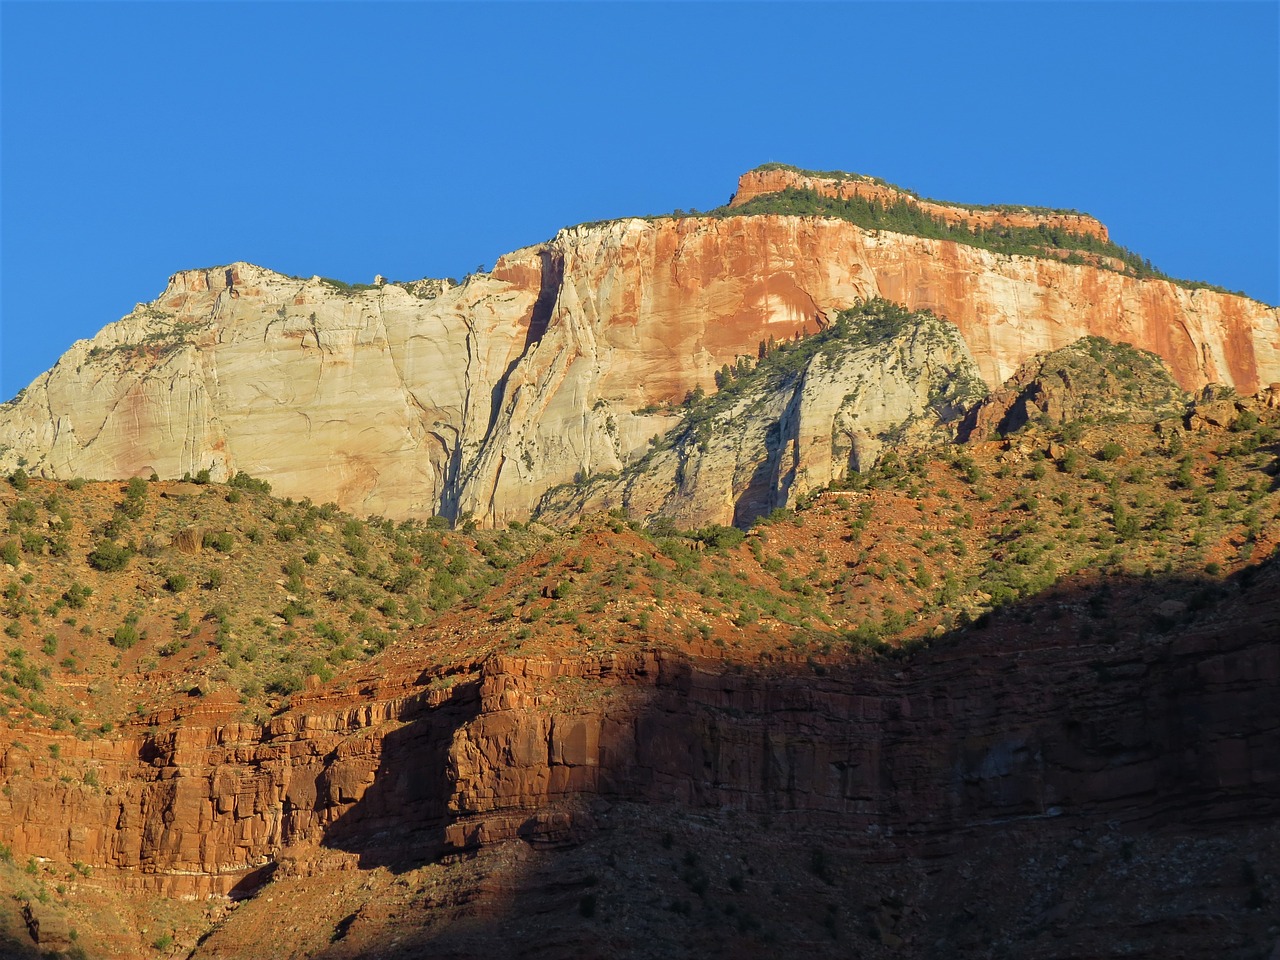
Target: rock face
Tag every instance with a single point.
(807, 416)
(1180, 727)
(1093, 377)
(417, 399)
(776, 178)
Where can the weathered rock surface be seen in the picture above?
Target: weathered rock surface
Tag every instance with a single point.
(1176, 727)
(774, 179)
(1093, 378)
(808, 417)
(411, 400)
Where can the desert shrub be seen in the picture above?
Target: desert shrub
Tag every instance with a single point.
(719, 537)
(406, 578)
(23, 513)
(222, 542)
(109, 556)
(1111, 451)
(284, 684)
(126, 634)
(242, 481)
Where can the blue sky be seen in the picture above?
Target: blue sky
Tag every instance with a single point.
(348, 139)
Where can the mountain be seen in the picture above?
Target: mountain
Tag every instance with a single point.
(837, 572)
(473, 400)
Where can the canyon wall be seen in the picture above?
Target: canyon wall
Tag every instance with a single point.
(785, 434)
(412, 400)
(1014, 724)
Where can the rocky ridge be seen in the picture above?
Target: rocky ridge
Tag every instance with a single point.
(774, 178)
(563, 361)
(807, 416)
(925, 761)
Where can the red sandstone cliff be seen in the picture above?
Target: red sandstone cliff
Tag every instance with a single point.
(759, 182)
(941, 753)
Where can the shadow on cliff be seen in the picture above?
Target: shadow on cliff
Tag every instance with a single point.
(400, 821)
(1121, 711)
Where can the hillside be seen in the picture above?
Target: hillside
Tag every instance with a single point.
(868, 723)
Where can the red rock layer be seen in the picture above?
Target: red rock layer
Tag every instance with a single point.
(757, 183)
(697, 292)
(1174, 728)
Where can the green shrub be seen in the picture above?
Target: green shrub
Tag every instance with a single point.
(126, 635)
(242, 481)
(222, 542)
(1111, 451)
(109, 557)
(76, 595)
(719, 537)
(23, 512)
(176, 582)
(284, 684)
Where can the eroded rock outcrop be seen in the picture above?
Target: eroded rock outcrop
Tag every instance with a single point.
(1092, 378)
(774, 178)
(807, 416)
(417, 399)
(1160, 727)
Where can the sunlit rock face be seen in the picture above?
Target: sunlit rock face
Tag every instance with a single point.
(806, 419)
(408, 400)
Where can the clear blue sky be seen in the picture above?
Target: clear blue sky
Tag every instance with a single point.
(348, 139)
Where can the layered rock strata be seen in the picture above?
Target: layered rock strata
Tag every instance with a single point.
(1139, 726)
(774, 179)
(416, 399)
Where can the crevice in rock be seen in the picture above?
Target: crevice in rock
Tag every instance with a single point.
(539, 320)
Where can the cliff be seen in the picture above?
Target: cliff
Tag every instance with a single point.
(878, 378)
(776, 178)
(1029, 740)
(412, 400)
(1018, 693)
